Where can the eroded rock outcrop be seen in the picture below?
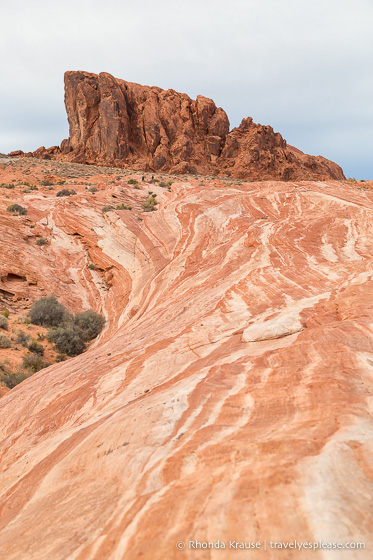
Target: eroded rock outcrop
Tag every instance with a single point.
(119, 123)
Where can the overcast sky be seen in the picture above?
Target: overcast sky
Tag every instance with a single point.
(302, 66)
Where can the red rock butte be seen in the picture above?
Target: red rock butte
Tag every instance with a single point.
(230, 397)
(119, 123)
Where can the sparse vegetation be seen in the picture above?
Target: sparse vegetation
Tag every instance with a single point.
(17, 210)
(41, 241)
(166, 183)
(47, 312)
(3, 323)
(149, 204)
(5, 341)
(92, 189)
(22, 338)
(46, 183)
(36, 348)
(133, 182)
(68, 339)
(5, 313)
(66, 192)
(33, 363)
(68, 332)
(123, 207)
(107, 208)
(8, 378)
(90, 324)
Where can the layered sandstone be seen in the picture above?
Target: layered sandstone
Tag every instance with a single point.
(229, 398)
(114, 122)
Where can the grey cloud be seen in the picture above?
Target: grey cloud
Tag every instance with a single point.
(302, 67)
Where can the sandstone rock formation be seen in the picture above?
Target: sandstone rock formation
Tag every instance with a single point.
(114, 122)
(230, 397)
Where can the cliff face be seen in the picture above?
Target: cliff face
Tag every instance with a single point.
(114, 122)
(230, 396)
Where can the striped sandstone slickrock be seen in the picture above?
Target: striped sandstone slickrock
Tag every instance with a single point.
(230, 395)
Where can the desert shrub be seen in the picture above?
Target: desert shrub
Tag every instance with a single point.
(47, 312)
(3, 323)
(149, 204)
(36, 348)
(17, 210)
(90, 323)
(5, 313)
(91, 266)
(6, 186)
(61, 182)
(68, 339)
(5, 341)
(133, 182)
(33, 363)
(46, 183)
(8, 378)
(61, 357)
(22, 338)
(108, 208)
(66, 192)
(92, 189)
(23, 320)
(41, 241)
(123, 207)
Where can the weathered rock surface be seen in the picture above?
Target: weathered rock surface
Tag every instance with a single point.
(114, 122)
(182, 423)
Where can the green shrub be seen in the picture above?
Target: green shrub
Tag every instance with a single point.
(66, 192)
(8, 378)
(61, 358)
(33, 363)
(108, 208)
(90, 323)
(61, 182)
(41, 241)
(3, 323)
(68, 339)
(17, 210)
(149, 204)
(132, 182)
(36, 348)
(22, 338)
(5, 313)
(47, 312)
(91, 266)
(5, 341)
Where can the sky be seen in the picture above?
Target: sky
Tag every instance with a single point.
(303, 67)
